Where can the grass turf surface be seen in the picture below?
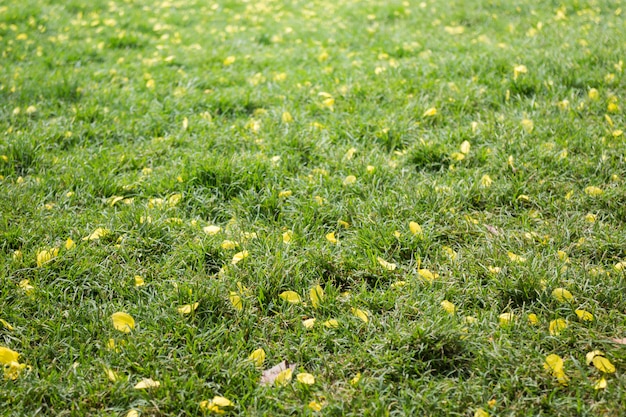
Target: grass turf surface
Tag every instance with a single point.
(312, 134)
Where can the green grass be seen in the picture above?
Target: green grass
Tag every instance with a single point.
(111, 111)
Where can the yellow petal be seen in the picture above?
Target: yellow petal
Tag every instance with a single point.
(222, 402)
(363, 315)
(350, 179)
(111, 375)
(331, 324)
(147, 383)
(331, 237)
(387, 265)
(283, 377)
(239, 256)
(516, 258)
(123, 322)
(132, 413)
(427, 274)
(229, 244)
(593, 191)
(305, 378)
(236, 301)
(589, 357)
(553, 363)
(465, 147)
(315, 406)
(308, 323)
(139, 282)
(602, 364)
(97, 234)
(45, 256)
(285, 194)
(506, 319)
(415, 228)
(290, 296)
(430, 112)
(562, 295)
(533, 319)
(317, 295)
(212, 229)
(7, 355)
(448, 306)
(69, 244)
(287, 236)
(480, 412)
(188, 308)
(356, 379)
(601, 384)
(12, 370)
(557, 326)
(584, 315)
(257, 357)
(6, 324)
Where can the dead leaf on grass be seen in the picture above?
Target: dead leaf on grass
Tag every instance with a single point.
(269, 375)
(621, 341)
(492, 229)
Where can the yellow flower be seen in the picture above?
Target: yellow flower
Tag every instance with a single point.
(480, 412)
(331, 237)
(285, 194)
(527, 125)
(287, 117)
(350, 179)
(448, 306)
(69, 244)
(593, 94)
(139, 282)
(188, 308)
(331, 324)
(363, 315)
(430, 112)
(257, 357)
(519, 69)
(415, 228)
(486, 181)
(465, 147)
(533, 319)
(316, 294)
(562, 295)
(516, 258)
(427, 275)
(229, 60)
(212, 230)
(97, 234)
(290, 296)
(7, 355)
(283, 377)
(287, 236)
(308, 323)
(123, 322)
(387, 265)
(229, 244)
(218, 405)
(239, 256)
(584, 315)
(555, 364)
(506, 319)
(305, 378)
(147, 383)
(556, 326)
(593, 191)
(236, 301)
(46, 255)
(12, 370)
(601, 363)
(315, 406)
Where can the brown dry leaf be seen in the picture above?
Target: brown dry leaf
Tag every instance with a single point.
(492, 229)
(269, 375)
(621, 341)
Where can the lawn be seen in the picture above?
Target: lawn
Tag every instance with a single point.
(419, 206)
